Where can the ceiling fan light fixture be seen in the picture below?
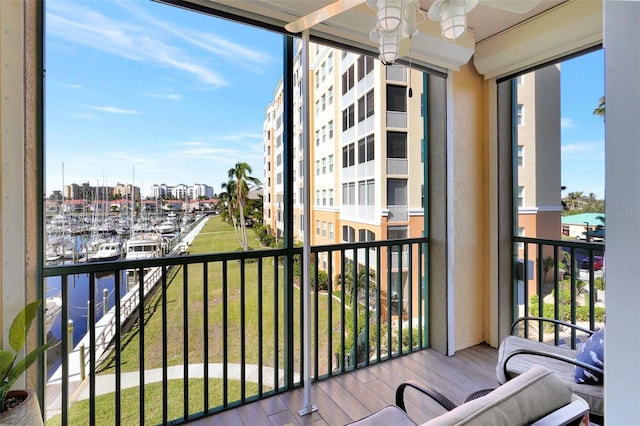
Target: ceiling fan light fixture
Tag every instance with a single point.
(389, 46)
(454, 20)
(389, 15)
(452, 15)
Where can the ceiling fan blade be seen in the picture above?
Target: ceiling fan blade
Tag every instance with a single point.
(515, 6)
(320, 15)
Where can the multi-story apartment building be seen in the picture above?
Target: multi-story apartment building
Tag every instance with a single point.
(181, 191)
(366, 152)
(124, 191)
(198, 190)
(538, 153)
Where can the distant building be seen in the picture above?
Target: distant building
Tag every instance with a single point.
(124, 191)
(182, 191)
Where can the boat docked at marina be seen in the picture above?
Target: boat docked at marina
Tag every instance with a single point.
(52, 309)
(107, 251)
(144, 246)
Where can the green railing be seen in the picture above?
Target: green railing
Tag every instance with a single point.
(174, 338)
(560, 279)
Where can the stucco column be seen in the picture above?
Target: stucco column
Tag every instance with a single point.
(622, 174)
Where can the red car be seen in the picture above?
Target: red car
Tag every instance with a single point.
(598, 262)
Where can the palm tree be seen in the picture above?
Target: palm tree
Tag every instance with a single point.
(574, 200)
(228, 201)
(241, 174)
(599, 111)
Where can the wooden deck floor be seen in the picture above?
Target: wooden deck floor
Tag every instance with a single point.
(352, 396)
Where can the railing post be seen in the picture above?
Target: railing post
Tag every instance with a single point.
(105, 300)
(82, 368)
(70, 335)
(88, 315)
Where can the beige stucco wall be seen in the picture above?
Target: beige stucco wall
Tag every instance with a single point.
(470, 203)
(19, 126)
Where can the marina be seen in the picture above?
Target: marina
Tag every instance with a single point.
(141, 246)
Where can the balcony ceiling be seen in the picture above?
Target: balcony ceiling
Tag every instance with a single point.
(352, 26)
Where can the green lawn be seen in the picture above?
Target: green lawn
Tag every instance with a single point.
(130, 411)
(189, 302)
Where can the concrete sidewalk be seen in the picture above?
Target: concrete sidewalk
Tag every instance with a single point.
(106, 383)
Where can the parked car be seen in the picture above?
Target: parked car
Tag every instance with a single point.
(598, 262)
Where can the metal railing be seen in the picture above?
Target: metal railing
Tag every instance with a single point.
(190, 336)
(560, 279)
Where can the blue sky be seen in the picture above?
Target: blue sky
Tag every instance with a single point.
(582, 85)
(144, 92)
(137, 91)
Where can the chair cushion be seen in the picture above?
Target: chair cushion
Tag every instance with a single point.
(594, 395)
(523, 400)
(592, 353)
(390, 415)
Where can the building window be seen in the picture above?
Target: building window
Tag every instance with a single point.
(397, 232)
(331, 163)
(317, 167)
(396, 98)
(324, 197)
(317, 76)
(317, 137)
(365, 106)
(317, 107)
(366, 235)
(365, 66)
(324, 229)
(520, 115)
(323, 70)
(347, 80)
(396, 145)
(331, 197)
(366, 150)
(349, 194)
(520, 155)
(348, 234)
(366, 192)
(330, 61)
(331, 230)
(324, 165)
(324, 134)
(324, 101)
(370, 104)
(331, 129)
(331, 95)
(348, 117)
(521, 196)
(348, 158)
(317, 227)
(396, 192)
(317, 197)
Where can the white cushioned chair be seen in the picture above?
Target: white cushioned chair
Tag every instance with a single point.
(517, 354)
(537, 397)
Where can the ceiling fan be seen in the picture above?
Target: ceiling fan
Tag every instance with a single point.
(391, 13)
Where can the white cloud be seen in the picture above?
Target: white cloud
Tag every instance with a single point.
(240, 135)
(567, 123)
(114, 110)
(213, 43)
(170, 96)
(78, 25)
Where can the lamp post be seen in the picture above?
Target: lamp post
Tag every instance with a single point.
(587, 234)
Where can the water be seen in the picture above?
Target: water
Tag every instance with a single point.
(78, 297)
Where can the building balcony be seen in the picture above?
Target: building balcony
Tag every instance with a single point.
(397, 119)
(222, 334)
